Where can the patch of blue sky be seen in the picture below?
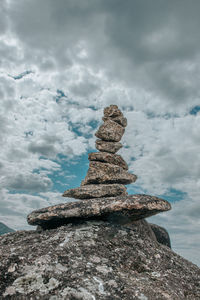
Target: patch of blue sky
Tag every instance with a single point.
(95, 108)
(93, 124)
(195, 110)
(28, 133)
(72, 172)
(134, 189)
(60, 94)
(166, 116)
(172, 195)
(21, 75)
(75, 128)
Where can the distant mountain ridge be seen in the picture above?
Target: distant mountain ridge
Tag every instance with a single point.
(5, 229)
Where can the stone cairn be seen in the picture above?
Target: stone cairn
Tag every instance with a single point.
(102, 194)
(107, 172)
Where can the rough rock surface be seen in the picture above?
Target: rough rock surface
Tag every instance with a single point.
(96, 191)
(112, 111)
(120, 120)
(123, 209)
(99, 172)
(110, 131)
(93, 260)
(110, 147)
(161, 234)
(114, 159)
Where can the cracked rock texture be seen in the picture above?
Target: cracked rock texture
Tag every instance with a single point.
(120, 120)
(121, 209)
(100, 172)
(111, 147)
(110, 131)
(114, 159)
(93, 261)
(96, 191)
(112, 111)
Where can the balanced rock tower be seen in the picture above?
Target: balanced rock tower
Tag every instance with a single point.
(107, 174)
(102, 194)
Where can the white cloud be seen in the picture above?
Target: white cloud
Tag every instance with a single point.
(183, 224)
(81, 57)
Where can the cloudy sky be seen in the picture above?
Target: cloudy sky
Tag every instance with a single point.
(61, 63)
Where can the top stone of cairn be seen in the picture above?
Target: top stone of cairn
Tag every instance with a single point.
(114, 125)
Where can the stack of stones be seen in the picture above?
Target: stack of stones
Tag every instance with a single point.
(107, 172)
(102, 194)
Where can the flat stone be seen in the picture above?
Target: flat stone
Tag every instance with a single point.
(96, 191)
(121, 209)
(120, 120)
(114, 159)
(100, 172)
(112, 111)
(110, 131)
(110, 147)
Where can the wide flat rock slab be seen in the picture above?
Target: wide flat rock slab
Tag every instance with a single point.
(115, 209)
(100, 172)
(114, 159)
(110, 147)
(96, 191)
(110, 131)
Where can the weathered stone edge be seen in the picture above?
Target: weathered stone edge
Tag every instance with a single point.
(81, 208)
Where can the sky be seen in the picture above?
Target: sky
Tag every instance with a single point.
(61, 63)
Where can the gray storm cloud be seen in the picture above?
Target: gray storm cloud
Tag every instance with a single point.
(148, 42)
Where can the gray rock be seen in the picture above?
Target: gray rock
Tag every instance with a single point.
(121, 209)
(99, 172)
(110, 131)
(161, 234)
(112, 111)
(110, 147)
(96, 191)
(120, 120)
(114, 159)
(93, 260)
(143, 227)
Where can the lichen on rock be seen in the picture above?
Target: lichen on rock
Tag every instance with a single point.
(94, 260)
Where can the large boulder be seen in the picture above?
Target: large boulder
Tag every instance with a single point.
(161, 234)
(93, 260)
